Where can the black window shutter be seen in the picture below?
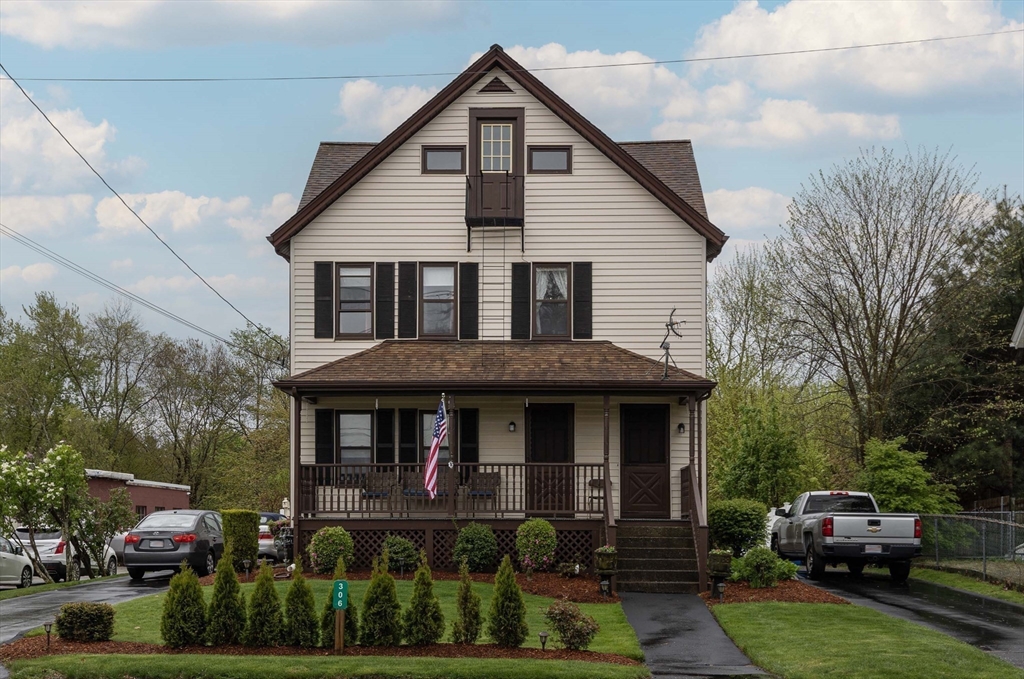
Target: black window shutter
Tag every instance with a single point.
(324, 435)
(385, 300)
(469, 435)
(407, 436)
(582, 300)
(407, 299)
(521, 300)
(323, 299)
(469, 301)
(385, 436)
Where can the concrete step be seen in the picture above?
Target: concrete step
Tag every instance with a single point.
(659, 587)
(631, 552)
(657, 564)
(655, 575)
(653, 531)
(673, 542)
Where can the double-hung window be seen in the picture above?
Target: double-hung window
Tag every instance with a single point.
(355, 300)
(551, 300)
(437, 301)
(355, 437)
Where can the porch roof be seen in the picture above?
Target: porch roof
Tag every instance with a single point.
(425, 366)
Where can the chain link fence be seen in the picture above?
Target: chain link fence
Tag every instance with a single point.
(986, 543)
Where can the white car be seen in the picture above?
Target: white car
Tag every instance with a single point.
(51, 546)
(15, 567)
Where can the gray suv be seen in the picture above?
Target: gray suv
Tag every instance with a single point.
(162, 540)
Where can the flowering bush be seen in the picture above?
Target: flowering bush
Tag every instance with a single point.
(327, 545)
(605, 549)
(574, 630)
(535, 545)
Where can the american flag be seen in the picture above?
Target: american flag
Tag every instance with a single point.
(440, 432)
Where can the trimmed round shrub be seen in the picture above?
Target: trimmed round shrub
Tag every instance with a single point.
(241, 536)
(327, 545)
(227, 607)
(402, 553)
(467, 623)
(506, 624)
(265, 624)
(85, 621)
(327, 617)
(737, 525)
(423, 621)
(535, 544)
(476, 545)
(573, 629)
(183, 622)
(761, 567)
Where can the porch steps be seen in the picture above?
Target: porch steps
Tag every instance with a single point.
(656, 556)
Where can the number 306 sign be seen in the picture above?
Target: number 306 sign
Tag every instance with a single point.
(339, 595)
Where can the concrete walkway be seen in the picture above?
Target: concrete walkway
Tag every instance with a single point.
(680, 637)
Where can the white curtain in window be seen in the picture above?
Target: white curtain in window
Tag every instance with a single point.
(552, 283)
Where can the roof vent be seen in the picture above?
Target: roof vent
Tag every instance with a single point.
(496, 85)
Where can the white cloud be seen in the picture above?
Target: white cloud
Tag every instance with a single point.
(172, 209)
(45, 214)
(750, 208)
(980, 64)
(154, 24)
(370, 108)
(120, 264)
(257, 226)
(230, 285)
(33, 273)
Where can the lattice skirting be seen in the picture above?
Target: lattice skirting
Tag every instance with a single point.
(576, 539)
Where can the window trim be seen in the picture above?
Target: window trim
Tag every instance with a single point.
(529, 159)
(338, 412)
(425, 148)
(337, 301)
(478, 116)
(455, 301)
(534, 330)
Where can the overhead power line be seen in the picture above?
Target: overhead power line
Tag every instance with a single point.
(659, 62)
(127, 294)
(137, 216)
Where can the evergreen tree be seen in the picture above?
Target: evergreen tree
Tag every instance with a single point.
(183, 622)
(506, 623)
(466, 627)
(227, 608)
(265, 624)
(301, 627)
(381, 623)
(327, 617)
(423, 622)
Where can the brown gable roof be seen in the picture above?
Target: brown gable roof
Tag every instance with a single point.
(427, 366)
(333, 159)
(496, 58)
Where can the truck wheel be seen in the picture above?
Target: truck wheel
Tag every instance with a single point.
(856, 568)
(899, 571)
(775, 545)
(815, 566)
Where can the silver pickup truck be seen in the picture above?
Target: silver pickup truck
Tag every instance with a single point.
(836, 526)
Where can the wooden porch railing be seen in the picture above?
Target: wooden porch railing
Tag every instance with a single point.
(698, 521)
(463, 490)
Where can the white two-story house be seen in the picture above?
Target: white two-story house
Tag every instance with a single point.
(500, 249)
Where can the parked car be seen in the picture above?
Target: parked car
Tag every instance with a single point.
(267, 517)
(268, 550)
(52, 545)
(835, 526)
(15, 567)
(772, 519)
(162, 540)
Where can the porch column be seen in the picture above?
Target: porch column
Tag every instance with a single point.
(296, 469)
(608, 499)
(691, 401)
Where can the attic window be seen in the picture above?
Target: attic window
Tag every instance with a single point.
(549, 160)
(444, 160)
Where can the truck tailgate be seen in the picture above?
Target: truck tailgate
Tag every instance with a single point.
(873, 527)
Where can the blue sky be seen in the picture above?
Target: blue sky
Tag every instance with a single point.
(215, 167)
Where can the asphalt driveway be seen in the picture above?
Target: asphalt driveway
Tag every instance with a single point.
(989, 624)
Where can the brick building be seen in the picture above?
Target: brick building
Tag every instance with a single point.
(147, 496)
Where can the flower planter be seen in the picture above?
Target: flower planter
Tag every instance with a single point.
(719, 564)
(605, 562)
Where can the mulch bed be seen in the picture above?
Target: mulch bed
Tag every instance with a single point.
(35, 647)
(582, 590)
(788, 591)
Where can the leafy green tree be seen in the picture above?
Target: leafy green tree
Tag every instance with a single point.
(100, 521)
(227, 607)
(300, 627)
(183, 622)
(423, 621)
(264, 624)
(899, 481)
(467, 623)
(327, 617)
(506, 623)
(67, 493)
(381, 623)
(766, 460)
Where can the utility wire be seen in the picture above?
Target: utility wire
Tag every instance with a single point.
(137, 216)
(127, 294)
(691, 60)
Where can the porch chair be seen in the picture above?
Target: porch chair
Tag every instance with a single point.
(415, 496)
(595, 494)
(483, 486)
(379, 487)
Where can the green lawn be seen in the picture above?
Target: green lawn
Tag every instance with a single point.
(957, 581)
(298, 667)
(139, 619)
(36, 589)
(799, 641)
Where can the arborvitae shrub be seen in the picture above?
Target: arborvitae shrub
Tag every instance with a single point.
(402, 553)
(264, 625)
(85, 621)
(300, 624)
(476, 545)
(506, 623)
(327, 545)
(227, 607)
(327, 617)
(466, 627)
(536, 542)
(183, 622)
(572, 628)
(423, 621)
(381, 624)
(242, 536)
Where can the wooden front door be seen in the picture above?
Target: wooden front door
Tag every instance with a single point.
(644, 440)
(549, 473)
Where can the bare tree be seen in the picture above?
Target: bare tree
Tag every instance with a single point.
(860, 257)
